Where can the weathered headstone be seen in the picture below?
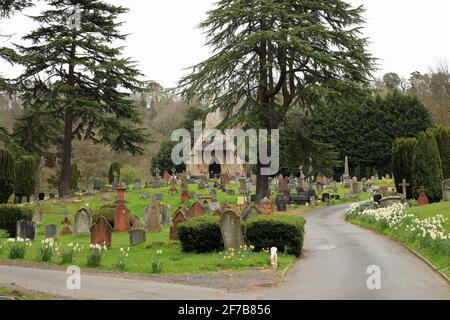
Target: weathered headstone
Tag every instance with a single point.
(137, 236)
(137, 186)
(107, 197)
(355, 187)
(267, 206)
(153, 217)
(101, 232)
(135, 222)
(50, 231)
(214, 206)
(281, 204)
(122, 218)
(179, 217)
(166, 176)
(156, 184)
(213, 194)
(26, 230)
(165, 214)
(37, 217)
(446, 190)
(404, 186)
(82, 222)
(230, 226)
(389, 201)
(196, 210)
(423, 199)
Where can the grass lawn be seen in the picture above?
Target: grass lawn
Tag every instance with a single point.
(22, 295)
(139, 261)
(440, 259)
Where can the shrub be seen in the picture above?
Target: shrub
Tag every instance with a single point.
(115, 167)
(6, 176)
(402, 158)
(427, 167)
(9, 215)
(106, 211)
(442, 136)
(24, 169)
(201, 235)
(284, 232)
(131, 174)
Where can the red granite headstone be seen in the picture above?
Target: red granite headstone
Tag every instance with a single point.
(423, 199)
(184, 196)
(196, 210)
(121, 194)
(101, 232)
(179, 217)
(122, 218)
(166, 176)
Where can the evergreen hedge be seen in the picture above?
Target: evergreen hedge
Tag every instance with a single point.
(6, 176)
(402, 161)
(9, 215)
(24, 168)
(442, 136)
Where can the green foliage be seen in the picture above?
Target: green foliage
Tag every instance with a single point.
(442, 136)
(357, 172)
(427, 167)
(74, 176)
(131, 174)
(106, 211)
(402, 162)
(6, 176)
(114, 167)
(7, 7)
(200, 235)
(163, 159)
(364, 130)
(9, 215)
(24, 168)
(284, 232)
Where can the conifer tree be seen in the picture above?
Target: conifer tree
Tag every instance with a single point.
(6, 176)
(442, 136)
(25, 177)
(402, 161)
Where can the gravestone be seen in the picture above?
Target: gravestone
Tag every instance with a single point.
(26, 230)
(267, 206)
(50, 231)
(230, 227)
(213, 194)
(82, 222)
(423, 199)
(156, 184)
(122, 217)
(153, 217)
(137, 186)
(137, 236)
(165, 212)
(446, 190)
(101, 232)
(249, 211)
(41, 196)
(242, 185)
(107, 197)
(390, 201)
(196, 210)
(355, 187)
(214, 206)
(135, 222)
(180, 216)
(37, 217)
(281, 204)
(166, 176)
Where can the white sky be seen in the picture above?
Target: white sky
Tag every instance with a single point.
(406, 35)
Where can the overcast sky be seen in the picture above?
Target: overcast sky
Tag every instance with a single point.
(406, 35)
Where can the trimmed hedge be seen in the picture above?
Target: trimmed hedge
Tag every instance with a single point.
(284, 232)
(106, 211)
(24, 168)
(201, 235)
(9, 215)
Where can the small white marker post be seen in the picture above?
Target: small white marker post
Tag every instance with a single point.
(274, 258)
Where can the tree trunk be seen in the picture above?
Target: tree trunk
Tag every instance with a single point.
(64, 187)
(262, 184)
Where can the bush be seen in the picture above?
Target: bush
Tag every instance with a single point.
(9, 215)
(24, 169)
(402, 158)
(201, 235)
(6, 176)
(106, 211)
(131, 174)
(427, 167)
(115, 167)
(284, 232)
(442, 136)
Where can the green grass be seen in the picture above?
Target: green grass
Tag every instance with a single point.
(22, 295)
(440, 260)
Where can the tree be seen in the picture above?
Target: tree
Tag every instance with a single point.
(115, 167)
(402, 162)
(25, 182)
(8, 7)
(73, 73)
(364, 129)
(74, 175)
(163, 159)
(442, 136)
(272, 56)
(427, 167)
(391, 81)
(6, 176)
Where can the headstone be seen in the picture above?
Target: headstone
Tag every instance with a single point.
(101, 232)
(153, 217)
(404, 186)
(82, 222)
(184, 196)
(122, 218)
(137, 236)
(179, 217)
(267, 206)
(107, 197)
(249, 211)
(37, 217)
(121, 194)
(158, 197)
(50, 231)
(446, 190)
(137, 186)
(156, 184)
(281, 203)
(230, 226)
(196, 210)
(24, 199)
(213, 194)
(135, 222)
(26, 230)
(242, 185)
(166, 176)
(98, 184)
(355, 187)
(423, 199)
(231, 192)
(390, 201)
(214, 206)
(165, 214)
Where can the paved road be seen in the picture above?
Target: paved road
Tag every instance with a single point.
(337, 255)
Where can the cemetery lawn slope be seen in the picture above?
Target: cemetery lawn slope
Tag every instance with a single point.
(439, 259)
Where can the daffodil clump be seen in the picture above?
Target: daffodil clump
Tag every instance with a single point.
(239, 254)
(67, 253)
(156, 262)
(426, 233)
(47, 250)
(18, 247)
(121, 262)
(95, 253)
